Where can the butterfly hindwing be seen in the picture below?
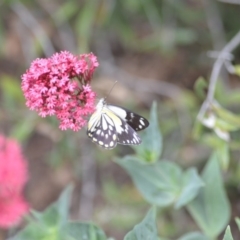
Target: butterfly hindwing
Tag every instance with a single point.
(136, 121)
(126, 135)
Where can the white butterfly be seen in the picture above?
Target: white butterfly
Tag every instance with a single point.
(110, 125)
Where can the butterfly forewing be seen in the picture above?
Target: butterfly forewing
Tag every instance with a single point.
(136, 121)
(102, 131)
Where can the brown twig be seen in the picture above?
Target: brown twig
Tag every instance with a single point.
(232, 44)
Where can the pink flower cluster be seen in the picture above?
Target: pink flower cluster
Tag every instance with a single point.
(60, 85)
(13, 176)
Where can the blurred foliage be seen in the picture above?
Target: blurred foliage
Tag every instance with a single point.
(53, 224)
(163, 183)
(136, 25)
(165, 169)
(210, 209)
(152, 139)
(147, 229)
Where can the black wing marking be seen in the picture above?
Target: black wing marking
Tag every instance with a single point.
(103, 132)
(136, 121)
(127, 135)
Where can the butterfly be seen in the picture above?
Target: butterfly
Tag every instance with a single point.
(110, 125)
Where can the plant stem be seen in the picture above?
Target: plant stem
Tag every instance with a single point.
(229, 47)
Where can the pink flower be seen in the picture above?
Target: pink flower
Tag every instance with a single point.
(11, 211)
(13, 177)
(60, 85)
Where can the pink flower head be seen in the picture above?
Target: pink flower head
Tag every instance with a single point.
(60, 85)
(13, 177)
(11, 211)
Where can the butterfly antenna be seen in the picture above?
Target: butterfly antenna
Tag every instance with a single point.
(110, 90)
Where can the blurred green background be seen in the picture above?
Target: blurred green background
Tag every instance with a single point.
(156, 50)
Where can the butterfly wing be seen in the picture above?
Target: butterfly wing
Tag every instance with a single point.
(127, 136)
(126, 133)
(135, 121)
(102, 130)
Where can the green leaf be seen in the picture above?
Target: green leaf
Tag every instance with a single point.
(50, 217)
(238, 222)
(30, 232)
(197, 130)
(151, 147)
(48, 224)
(223, 155)
(36, 231)
(226, 120)
(228, 234)
(57, 213)
(83, 231)
(194, 236)
(226, 126)
(190, 187)
(36, 215)
(63, 203)
(200, 87)
(221, 149)
(145, 230)
(210, 209)
(163, 183)
(237, 70)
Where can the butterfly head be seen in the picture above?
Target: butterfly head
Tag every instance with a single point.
(101, 104)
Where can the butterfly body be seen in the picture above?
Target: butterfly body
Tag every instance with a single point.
(110, 125)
